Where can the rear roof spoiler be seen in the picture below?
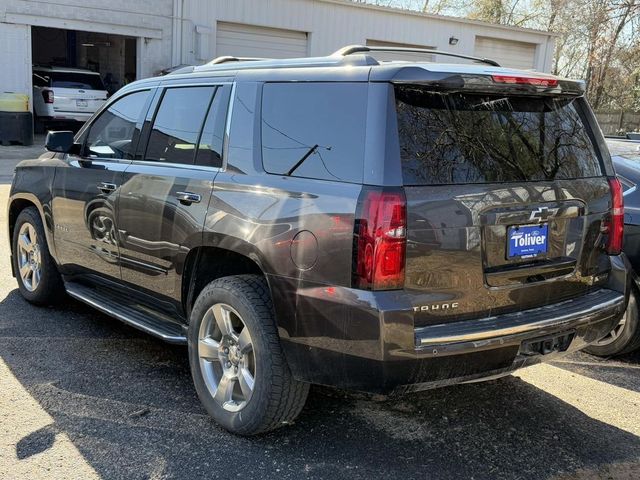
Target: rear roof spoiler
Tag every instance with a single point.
(481, 81)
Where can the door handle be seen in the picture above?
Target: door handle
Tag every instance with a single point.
(106, 187)
(187, 198)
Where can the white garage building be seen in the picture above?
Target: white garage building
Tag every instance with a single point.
(127, 39)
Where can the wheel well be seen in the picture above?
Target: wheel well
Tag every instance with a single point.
(206, 264)
(16, 207)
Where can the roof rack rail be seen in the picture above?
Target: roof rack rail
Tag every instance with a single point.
(229, 58)
(351, 49)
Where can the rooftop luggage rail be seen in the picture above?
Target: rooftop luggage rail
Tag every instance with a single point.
(351, 49)
(229, 58)
(353, 55)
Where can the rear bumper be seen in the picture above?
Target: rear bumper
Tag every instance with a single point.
(367, 341)
(61, 117)
(602, 306)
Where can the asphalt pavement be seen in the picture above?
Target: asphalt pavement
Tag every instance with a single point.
(84, 396)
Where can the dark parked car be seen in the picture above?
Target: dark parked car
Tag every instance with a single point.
(383, 227)
(625, 337)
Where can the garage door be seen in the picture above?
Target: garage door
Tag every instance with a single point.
(15, 55)
(410, 57)
(240, 40)
(507, 53)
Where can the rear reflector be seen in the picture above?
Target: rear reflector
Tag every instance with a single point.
(380, 240)
(516, 80)
(47, 95)
(614, 224)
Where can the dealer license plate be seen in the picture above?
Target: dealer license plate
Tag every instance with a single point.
(527, 241)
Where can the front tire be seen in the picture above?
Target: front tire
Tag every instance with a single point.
(38, 278)
(237, 363)
(623, 339)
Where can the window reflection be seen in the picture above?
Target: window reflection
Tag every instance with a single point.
(114, 133)
(450, 138)
(177, 125)
(212, 138)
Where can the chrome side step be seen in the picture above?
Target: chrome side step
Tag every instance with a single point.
(152, 323)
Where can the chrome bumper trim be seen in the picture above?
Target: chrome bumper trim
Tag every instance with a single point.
(590, 308)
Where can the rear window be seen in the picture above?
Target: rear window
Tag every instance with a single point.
(83, 81)
(450, 138)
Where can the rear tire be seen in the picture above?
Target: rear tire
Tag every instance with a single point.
(623, 339)
(237, 363)
(38, 278)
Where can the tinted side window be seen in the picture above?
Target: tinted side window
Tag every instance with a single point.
(314, 130)
(177, 124)
(114, 134)
(210, 146)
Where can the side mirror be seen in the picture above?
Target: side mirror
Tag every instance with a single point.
(60, 142)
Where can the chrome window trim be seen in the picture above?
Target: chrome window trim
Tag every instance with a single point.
(194, 84)
(100, 159)
(227, 128)
(184, 166)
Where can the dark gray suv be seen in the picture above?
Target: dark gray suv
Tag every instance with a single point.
(383, 227)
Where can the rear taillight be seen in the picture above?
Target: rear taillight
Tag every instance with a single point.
(614, 224)
(517, 80)
(47, 95)
(380, 240)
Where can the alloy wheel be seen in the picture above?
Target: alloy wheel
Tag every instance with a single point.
(29, 257)
(226, 357)
(615, 333)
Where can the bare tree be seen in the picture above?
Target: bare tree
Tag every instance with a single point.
(599, 40)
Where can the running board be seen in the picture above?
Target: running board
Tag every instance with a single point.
(141, 318)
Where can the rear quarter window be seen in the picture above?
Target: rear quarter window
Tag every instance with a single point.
(452, 138)
(314, 130)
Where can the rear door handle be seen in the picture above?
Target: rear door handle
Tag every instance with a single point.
(187, 198)
(107, 187)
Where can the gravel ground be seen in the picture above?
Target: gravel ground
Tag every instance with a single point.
(84, 396)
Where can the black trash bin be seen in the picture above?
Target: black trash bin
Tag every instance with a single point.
(16, 127)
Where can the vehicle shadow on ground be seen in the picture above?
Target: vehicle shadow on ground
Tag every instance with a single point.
(127, 403)
(623, 371)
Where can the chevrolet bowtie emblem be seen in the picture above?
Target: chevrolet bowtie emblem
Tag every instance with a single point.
(540, 214)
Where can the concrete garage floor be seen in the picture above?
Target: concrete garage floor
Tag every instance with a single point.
(84, 396)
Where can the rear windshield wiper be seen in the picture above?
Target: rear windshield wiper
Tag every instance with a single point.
(310, 152)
